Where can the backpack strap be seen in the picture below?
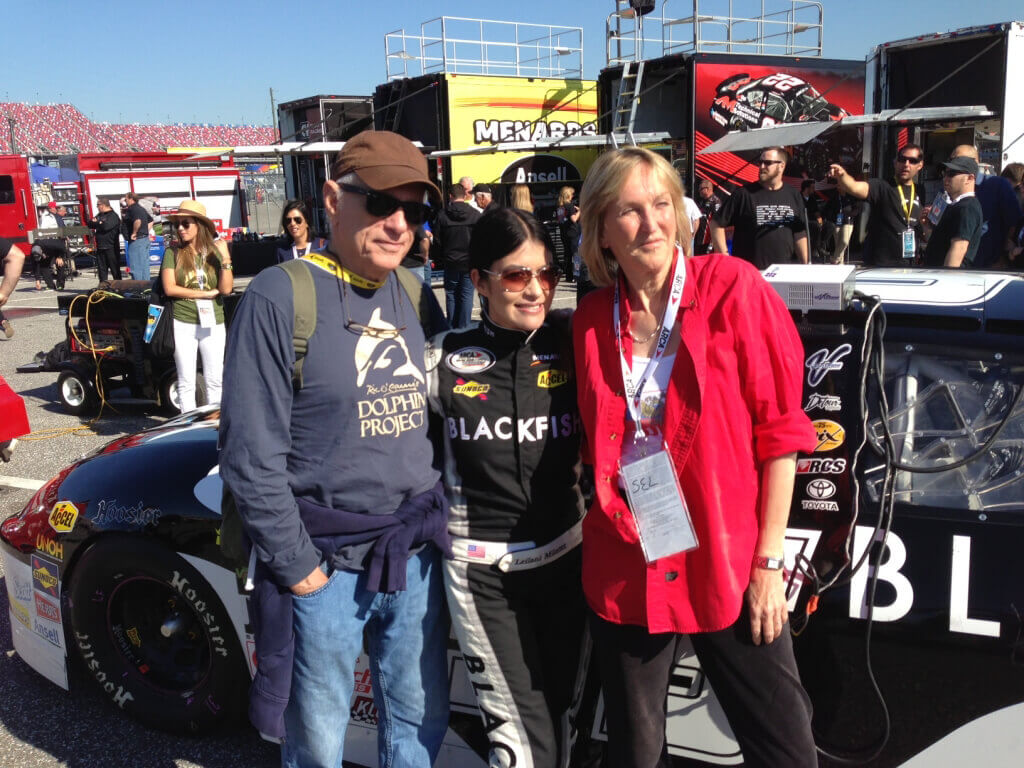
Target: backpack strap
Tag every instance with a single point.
(304, 308)
(413, 286)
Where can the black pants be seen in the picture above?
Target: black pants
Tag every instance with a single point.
(44, 272)
(758, 686)
(521, 636)
(108, 260)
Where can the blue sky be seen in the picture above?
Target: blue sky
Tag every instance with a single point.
(215, 61)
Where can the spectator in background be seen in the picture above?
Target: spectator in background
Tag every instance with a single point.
(693, 211)
(567, 214)
(954, 242)
(13, 260)
(520, 198)
(136, 222)
(767, 216)
(819, 230)
(466, 182)
(1001, 210)
(196, 274)
(709, 204)
(454, 225)
(298, 237)
(1014, 173)
(417, 260)
(483, 197)
(893, 227)
(841, 211)
(107, 226)
(47, 217)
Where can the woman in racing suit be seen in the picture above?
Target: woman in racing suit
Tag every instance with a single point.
(505, 391)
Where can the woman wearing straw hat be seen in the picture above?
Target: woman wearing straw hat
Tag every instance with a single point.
(195, 274)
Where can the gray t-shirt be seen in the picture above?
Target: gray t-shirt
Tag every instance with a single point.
(353, 438)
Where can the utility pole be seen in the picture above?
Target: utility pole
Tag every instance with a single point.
(273, 115)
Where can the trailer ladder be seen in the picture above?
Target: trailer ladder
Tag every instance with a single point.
(628, 97)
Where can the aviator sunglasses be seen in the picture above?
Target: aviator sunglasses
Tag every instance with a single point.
(293, 219)
(515, 279)
(383, 205)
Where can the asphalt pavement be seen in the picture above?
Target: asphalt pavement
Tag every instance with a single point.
(42, 726)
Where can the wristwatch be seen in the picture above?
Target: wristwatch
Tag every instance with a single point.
(768, 563)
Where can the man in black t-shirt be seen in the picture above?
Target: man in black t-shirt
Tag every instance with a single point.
(767, 216)
(893, 230)
(13, 260)
(954, 242)
(417, 260)
(709, 204)
(136, 246)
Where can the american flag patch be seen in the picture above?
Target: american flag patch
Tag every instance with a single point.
(472, 550)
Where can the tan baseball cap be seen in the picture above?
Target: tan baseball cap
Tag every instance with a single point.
(384, 160)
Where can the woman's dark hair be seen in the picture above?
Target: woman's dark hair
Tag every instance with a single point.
(300, 206)
(502, 230)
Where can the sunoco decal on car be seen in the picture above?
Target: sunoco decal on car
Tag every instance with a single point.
(830, 435)
(823, 361)
(470, 360)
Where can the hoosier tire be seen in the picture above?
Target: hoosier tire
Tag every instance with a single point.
(155, 637)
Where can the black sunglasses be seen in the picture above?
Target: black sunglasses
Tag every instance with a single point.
(294, 219)
(515, 279)
(383, 205)
(906, 159)
(184, 223)
(768, 162)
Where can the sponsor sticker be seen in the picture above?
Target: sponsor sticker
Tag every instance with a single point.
(830, 435)
(44, 575)
(824, 361)
(63, 516)
(47, 609)
(133, 636)
(820, 488)
(820, 466)
(552, 378)
(48, 631)
(20, 612)
(471, 389)
(49, 546)
(548, 358)
(470, 360)
(814, 505)
(824, 403)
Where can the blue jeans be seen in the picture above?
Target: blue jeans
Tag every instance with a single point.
(137, 252)
(407, 642)
(458, 298)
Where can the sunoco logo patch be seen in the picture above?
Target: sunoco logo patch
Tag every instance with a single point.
(44, 575)
(830, 435)
(471, 389)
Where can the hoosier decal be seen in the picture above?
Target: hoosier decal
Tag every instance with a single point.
(830, 435)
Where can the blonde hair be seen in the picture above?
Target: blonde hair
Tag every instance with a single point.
(601, 188)
(185, 255)
(520, 197)
(565, 195)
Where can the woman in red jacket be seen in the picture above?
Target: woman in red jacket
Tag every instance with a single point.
(689, 373)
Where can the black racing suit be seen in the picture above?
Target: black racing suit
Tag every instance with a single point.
(512, 437)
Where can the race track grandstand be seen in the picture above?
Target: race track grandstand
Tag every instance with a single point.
(56, 129)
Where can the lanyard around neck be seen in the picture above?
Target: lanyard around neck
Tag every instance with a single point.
(634, 389)
(343, 273)
(906, 205)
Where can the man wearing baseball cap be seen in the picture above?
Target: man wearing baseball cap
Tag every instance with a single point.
(333, 479)
(954, 241)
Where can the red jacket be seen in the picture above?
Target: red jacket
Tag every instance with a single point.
(733, 402)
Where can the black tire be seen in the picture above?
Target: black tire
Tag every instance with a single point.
(76, 393)
(169, 392)
(155, 637)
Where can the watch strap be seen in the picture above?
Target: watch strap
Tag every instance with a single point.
(768, 563)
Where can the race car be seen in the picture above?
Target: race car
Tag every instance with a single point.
(742, 103)
(904, 575)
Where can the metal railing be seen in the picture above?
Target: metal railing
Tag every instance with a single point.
(775, 27)
(484, 47)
